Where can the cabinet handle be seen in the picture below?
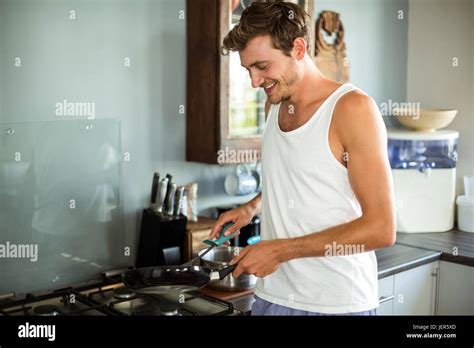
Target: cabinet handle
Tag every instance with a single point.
(435, 274)
(385, 299)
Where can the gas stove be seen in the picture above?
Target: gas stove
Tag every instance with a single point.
(110, 297)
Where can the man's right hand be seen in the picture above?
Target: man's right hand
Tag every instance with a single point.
(240, 217)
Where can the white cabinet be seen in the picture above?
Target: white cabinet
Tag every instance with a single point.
(385, 296)
(456, 289)
(437, 288)
(415, 290)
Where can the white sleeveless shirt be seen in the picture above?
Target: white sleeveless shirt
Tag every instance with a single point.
(306, 190)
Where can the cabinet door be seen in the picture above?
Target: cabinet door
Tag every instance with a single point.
(456, 289)
(386, 296)
(415, 290)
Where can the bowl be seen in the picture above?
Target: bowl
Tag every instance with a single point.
(426, 120)
(220, 257)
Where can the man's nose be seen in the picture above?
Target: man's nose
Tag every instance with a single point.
(257, 81)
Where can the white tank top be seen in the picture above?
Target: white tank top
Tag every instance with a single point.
(306, 190)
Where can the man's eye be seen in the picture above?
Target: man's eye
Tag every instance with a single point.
(262, 67)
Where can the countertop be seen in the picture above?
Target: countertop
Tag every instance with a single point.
(455, 246)
(411, 250)
(399, 258)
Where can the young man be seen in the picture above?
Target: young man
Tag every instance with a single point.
(327, 199)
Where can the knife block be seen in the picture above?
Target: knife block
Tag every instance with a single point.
(161, 240)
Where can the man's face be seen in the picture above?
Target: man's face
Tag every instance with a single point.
(270, 69)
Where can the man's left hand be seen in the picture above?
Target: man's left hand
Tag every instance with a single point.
(260, 259)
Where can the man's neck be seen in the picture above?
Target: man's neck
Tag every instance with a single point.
(310, 88)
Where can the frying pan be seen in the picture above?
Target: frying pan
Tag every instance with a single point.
(177, 279)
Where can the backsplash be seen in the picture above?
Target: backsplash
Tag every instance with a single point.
(60, 204)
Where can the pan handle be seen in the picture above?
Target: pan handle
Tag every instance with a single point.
(226, 271)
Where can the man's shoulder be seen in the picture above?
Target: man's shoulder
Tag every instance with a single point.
(354, 100)
(355, 106)
(356, 112)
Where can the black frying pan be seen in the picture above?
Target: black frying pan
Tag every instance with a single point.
(165, 279)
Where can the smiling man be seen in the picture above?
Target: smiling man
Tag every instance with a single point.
(327, 199)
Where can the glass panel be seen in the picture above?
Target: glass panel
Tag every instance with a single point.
(60, 211)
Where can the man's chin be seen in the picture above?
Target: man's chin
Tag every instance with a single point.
(275, 100)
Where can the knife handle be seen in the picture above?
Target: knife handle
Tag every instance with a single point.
(178, 200)
(154, 188)
(170, 203)
(161, 195)
(166, 207)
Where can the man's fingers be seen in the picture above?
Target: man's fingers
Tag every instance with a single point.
(228, 241)
(216, 229)
(239, 256)
(238, 259)
(221, 222)
(237, 271)
(234, 228)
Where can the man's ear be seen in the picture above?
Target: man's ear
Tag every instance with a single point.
(299, 48)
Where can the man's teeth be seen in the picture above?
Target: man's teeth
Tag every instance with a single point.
(270, 86)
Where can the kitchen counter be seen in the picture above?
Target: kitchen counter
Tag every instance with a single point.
(455, 246)
(399, 258)
(411, 250)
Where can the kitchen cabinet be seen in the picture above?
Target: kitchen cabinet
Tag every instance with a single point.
(456, 289)
(224, 114)
(415, 290)
(386, 297)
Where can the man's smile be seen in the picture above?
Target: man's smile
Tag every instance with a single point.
(269, 88)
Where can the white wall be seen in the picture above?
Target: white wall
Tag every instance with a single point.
(439, 30)
(82, 60)
(2, 31)
(376, 45)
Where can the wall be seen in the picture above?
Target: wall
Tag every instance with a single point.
(82, 60)
(438, 31)
(2, 31)
(375, 45)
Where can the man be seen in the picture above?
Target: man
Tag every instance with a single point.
(327, 199)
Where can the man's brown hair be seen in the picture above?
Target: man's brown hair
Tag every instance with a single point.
(283, 21)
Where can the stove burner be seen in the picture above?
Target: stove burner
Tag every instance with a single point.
(47, 310)
(124, 293)
(168, 308)
(169, 312)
